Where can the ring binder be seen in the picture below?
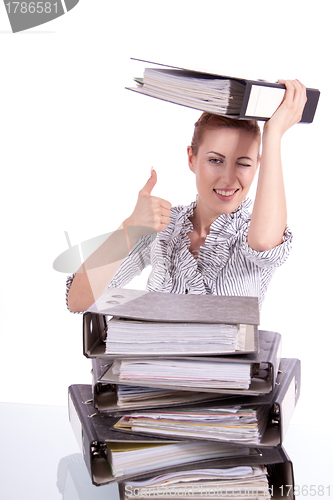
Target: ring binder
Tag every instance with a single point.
(279, 406)
(159, 307)
(264, 364)
(237, 98)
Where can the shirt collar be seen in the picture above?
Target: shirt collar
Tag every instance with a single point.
(241, 210)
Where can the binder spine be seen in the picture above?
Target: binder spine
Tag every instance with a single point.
(290, 385)
(94, 332)
(95, 452)
(270, 351)
(104, 393)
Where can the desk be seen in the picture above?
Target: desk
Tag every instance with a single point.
(40, 458)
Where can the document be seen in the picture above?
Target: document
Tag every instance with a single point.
(134, 458)
(243, 482)
(203, 374)
(159, 338)
(233, 424)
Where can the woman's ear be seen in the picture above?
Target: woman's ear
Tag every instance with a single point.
(190, 158)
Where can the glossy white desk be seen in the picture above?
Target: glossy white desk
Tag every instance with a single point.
(40, 458)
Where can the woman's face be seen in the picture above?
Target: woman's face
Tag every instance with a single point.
(224, 167)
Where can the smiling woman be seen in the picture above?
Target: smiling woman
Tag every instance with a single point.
(215, 245)
(224, 161)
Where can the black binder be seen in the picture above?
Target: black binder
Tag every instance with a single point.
(265, 365)
(94, 430)
(255, 94)
(281, 403)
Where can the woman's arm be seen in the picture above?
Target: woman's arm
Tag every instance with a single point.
(151, 214)
(269, 215)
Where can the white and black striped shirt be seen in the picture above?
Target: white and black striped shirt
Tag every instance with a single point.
(225, 265)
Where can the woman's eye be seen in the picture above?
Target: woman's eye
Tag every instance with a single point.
(244, 164)
(215, 161)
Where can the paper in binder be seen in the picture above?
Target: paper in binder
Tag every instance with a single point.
(251, 421)
(260, 368)
(272, 465)
(111, 455)
(114, 397)
(134, 308)
(238, 98)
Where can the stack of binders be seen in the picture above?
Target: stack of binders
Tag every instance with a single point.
(188, 398)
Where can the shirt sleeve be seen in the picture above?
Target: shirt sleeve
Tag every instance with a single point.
(69, 282)
(135, 262)
(274, 257)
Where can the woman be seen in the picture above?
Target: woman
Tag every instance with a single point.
(213, 246)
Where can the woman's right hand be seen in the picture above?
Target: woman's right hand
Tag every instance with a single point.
(150, 211)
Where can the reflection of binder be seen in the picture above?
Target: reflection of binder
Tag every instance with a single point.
(279, 406)
(278, 464)
(170, 308)
(264, 368)
(73, 481)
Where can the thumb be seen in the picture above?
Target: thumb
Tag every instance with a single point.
(148, 187)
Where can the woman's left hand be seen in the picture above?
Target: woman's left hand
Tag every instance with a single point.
(291, 108)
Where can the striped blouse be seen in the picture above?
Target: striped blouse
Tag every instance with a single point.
(225, 265)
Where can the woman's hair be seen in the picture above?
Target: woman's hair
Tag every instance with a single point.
(209, 121)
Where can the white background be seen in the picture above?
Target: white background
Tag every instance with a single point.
(76, 147)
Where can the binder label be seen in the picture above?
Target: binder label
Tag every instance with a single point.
(263, 101)
(288, 406)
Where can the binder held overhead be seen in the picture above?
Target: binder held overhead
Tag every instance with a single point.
(236, 98)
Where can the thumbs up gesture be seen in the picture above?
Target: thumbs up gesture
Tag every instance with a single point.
(150, 211)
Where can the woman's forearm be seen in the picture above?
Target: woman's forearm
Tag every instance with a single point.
(94, 275)
(269, 215)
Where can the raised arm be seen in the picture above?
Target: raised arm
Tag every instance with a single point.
(269, 215)
(151, 214)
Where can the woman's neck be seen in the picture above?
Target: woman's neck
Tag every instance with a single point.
(200, 226)
(202, 219)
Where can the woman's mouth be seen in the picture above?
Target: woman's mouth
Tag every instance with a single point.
(225, 194)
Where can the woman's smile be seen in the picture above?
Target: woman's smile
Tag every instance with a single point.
(225, 195)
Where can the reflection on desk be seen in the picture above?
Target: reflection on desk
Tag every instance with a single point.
(74, 483)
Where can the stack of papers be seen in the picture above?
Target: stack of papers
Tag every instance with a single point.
(236, 424)
(238, 483)
(126, 337)
(193, 89)
(135, 458)
(132, 396)
(196, 373)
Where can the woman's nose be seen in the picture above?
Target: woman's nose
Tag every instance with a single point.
(228, 174)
